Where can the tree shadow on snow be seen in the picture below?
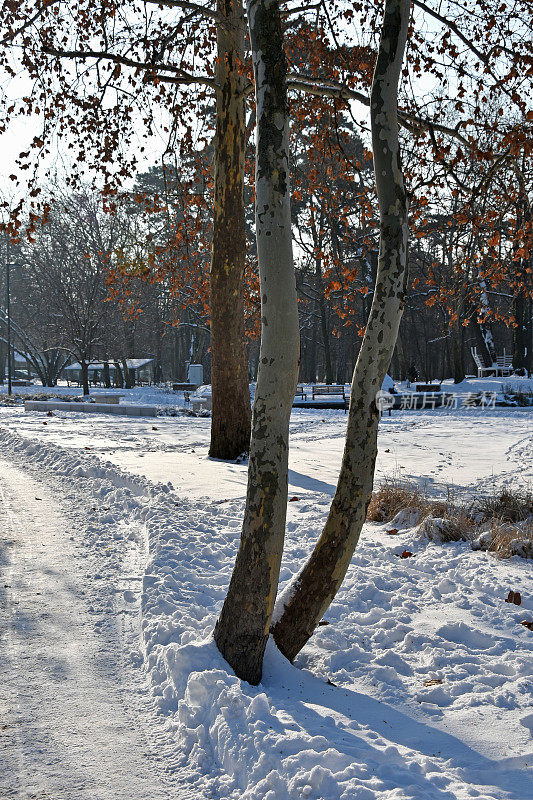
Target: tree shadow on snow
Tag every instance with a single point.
(301, 481)
(349, 721)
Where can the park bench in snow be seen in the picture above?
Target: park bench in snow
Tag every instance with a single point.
(505, 364)
(184, 387)
(328, 390)
(428, 387)
(501, 367)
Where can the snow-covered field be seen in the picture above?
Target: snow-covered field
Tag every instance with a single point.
(131, 555)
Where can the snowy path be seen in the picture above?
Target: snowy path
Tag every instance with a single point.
(65, 729)
(431, 668)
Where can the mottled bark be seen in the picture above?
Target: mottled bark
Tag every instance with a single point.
(317, 584)
(231, 414)
(242, 630)
(484, 341)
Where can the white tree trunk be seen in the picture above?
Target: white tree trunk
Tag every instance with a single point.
(318, 582)
(242, 630)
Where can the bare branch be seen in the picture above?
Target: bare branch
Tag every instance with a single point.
(483, 57)
(195, 7)
(29, 22)
(184, 77)
(339, 91)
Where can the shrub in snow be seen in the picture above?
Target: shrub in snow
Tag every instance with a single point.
(517, 397)
(507, 505)
(448, 529)
(406, 518)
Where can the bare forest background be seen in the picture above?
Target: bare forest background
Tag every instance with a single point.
(99, 271)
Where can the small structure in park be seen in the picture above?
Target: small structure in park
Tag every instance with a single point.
(141, 371)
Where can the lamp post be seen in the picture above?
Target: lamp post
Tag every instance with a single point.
(8, 309)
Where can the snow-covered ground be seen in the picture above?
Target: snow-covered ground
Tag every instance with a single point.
(135, 545)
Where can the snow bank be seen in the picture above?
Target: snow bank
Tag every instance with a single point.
(431, 667)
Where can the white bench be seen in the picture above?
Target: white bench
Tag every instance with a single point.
(204, 403)
(505, 364)
(502, 366)
(90, 408)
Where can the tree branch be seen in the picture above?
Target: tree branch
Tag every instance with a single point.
(339, 91)
(483, 57)
(195, 7)
(184, 77)
(40, 11)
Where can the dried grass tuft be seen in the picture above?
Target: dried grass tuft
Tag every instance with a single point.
(502, 524)
(507, 505)
(395, 495)
(392, 497)
(506, 539)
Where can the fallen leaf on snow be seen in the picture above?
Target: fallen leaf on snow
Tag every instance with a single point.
(514, 597)
(406, 554)
(293, 499)
(392, 531)
(433, 682)
(527, 623)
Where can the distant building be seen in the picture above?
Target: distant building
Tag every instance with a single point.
(141, 370)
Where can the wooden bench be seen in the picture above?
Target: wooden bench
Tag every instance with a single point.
(300, 392)
(428, 387)
(412, 401)
(184, 387)
(328, 390)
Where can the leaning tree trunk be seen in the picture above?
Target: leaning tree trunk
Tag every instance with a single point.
(231, 414)
(317, 584)
(242, 630)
